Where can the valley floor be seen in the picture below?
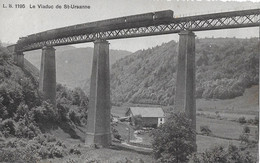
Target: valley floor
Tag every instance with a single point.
(211, 113)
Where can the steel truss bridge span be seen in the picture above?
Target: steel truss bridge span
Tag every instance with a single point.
(224, 20)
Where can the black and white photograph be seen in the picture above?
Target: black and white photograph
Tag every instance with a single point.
(129, 81)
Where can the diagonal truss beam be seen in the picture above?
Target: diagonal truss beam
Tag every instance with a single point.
(236, 19)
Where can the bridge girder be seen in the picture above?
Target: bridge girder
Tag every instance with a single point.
(236, 19)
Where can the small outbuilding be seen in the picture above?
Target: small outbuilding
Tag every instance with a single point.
(151, 116)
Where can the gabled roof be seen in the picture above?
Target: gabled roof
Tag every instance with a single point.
(146, 111)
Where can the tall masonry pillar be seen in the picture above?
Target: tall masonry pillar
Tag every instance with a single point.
(19, 59)
(47, 83)
(98, 123)
(18, 56)
(185, 85)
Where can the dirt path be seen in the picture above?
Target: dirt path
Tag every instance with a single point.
(137, 139)
(136, 147)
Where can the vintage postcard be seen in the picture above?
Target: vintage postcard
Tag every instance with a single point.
(129, 81)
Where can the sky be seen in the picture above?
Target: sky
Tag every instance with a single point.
(18, 22)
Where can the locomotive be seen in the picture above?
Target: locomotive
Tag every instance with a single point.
(160, 17)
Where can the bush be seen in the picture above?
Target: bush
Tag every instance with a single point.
(138, 122)
(174, 140)
(45, 113)
(74, 118)
(219, 154)
(18, 155)
(56, 151)
(18, 151)
(205, 130)
(7, 127)
(51, 151)
(244, 138)
(22, 110)
(46, 146)
(62, 111)
(115, 134)
(79, 98)
(246, 130)
(12, 96)
(27, 131)
(256, 120)
(50, 138)
(75, 150)
(242, 120)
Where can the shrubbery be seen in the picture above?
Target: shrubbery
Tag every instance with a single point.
(244, 138)
(41, 147)
(25, 115)
(45, 113)
(169, 146)
(74, 117)
(205, 130)
(18, 155)
(7, 127)
(219, 154)
(242, 120)
(115, 133)
(138, 122)
(251, 121)
(27, 130)
(72, 105)
(246, 130)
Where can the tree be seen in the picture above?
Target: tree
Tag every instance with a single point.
(244, 138)
(242, 120)
(138, 121)
(246, 130)
(79, 98)
(205, 130)
(173, 141)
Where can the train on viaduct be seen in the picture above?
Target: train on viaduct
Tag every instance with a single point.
(140, 20)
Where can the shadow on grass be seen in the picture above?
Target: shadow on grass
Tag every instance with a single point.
(66, 127)
(69, 130)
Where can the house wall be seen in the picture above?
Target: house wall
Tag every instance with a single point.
(160, 121)
(150, 121)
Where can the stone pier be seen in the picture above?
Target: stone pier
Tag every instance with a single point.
(19, 59)
(47, 82)
(98, 124)
(185, 84)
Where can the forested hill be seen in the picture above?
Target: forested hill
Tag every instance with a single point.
(225, 67)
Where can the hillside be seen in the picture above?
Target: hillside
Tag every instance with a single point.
(73, 65)
(26, 119)
(225, 67)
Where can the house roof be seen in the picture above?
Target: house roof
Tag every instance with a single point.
(146, 111)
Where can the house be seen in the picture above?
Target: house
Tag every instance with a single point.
(151, 116)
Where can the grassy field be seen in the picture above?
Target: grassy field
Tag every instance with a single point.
(207, 142)
(221, 128)
(248, 104)
(104, 155)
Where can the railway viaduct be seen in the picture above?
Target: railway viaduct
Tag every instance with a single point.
(98, 126)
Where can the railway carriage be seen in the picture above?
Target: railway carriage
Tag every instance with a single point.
(109, 24)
